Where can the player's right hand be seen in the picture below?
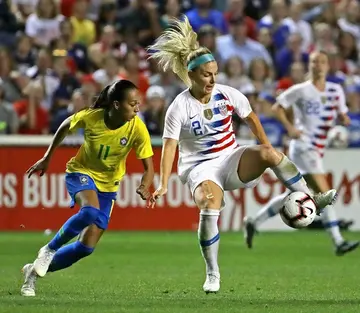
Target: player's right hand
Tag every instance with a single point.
(156, 195)
(40, 166)
(294, 133)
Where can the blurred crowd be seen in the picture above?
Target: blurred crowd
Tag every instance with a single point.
(56, 55)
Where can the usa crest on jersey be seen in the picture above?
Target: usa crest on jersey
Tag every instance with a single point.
(223, 108)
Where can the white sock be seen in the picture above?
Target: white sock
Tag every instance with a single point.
(271, 209)
(331, 224)
(289, 175)
(209, 238)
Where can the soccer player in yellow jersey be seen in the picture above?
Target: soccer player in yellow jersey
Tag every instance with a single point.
(111, 129)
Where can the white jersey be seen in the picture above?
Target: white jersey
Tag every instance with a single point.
(204, 131)
(315, 112)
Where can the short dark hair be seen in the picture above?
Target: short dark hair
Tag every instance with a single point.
(113, 92)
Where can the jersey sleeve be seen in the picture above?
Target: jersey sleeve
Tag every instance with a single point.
(342, 107)
(142, 145)
(78, 120)
(288, 98)
(241, 104)
(172, 127)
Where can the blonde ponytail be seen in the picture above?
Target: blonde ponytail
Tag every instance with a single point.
(176, 47)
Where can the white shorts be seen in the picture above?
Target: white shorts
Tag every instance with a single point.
(307, 161)
(222, 171)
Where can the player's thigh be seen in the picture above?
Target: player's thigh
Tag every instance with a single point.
(208, 196)
(317, 182)
(82, 190)
(254, 160)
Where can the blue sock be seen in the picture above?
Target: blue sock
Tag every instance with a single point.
(73, 226)
(68, 255)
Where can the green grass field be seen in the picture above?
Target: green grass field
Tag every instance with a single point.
(164, 272)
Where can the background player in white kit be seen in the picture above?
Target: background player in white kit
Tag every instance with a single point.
(210, 160)
(316, 104)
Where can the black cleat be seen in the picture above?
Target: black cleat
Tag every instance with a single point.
(345, 247)
(249, 231)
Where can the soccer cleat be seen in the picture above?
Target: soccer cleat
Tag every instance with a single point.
(212, 282)
(249, 231)
(43, 261)
(28, 288)
(324, 199)
(345, 247)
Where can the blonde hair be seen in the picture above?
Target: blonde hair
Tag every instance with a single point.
(176, 47)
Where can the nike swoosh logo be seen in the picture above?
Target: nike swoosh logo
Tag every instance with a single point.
(191, 117)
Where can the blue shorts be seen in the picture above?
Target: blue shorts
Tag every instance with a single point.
(76, 182)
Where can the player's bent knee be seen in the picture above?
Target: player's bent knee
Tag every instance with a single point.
(205, 197)
(102, 220)
(89, 214)
(83, 250)
(269, 155)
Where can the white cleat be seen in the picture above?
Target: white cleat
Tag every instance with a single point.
(324, 199)
(28, 288)
(43, 261)
(212, 282)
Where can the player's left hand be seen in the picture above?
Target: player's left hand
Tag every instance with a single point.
(143, 192)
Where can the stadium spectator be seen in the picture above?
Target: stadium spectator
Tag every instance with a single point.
(275, 22)
(9, 82)
(296, 24)
(296, 76)
(234, 75)
(83, 29)
(154, 113)
(77, 103)
(142, 15)
(261, 76)
(44, 24)
(100, 50)
(350, 21)
(172, 10)
(204, 14)
(236, 10)
(25, 54)
(265, 38)
(289, 54)
(132, 72)
(207, 38)
(67, 82)
(108, 73)
(9, 121)
(238, 44)
(34, 119)
(169, 82)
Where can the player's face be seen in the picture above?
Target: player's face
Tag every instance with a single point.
(130, 107)
(204, 77)
(319, 65)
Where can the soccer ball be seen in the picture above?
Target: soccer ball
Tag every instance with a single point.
(338, 137)
(299, 210)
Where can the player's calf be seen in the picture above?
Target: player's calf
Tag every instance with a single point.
(69, 254)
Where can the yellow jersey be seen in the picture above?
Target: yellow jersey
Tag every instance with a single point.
(84, 31)
(103, 154)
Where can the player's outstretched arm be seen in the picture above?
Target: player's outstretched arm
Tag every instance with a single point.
(166, 163)
(147, 179)
(280, 114)
(42, 165)
(255, 126)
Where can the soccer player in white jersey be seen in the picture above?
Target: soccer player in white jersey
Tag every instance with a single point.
(316, 104)
(210, 161)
